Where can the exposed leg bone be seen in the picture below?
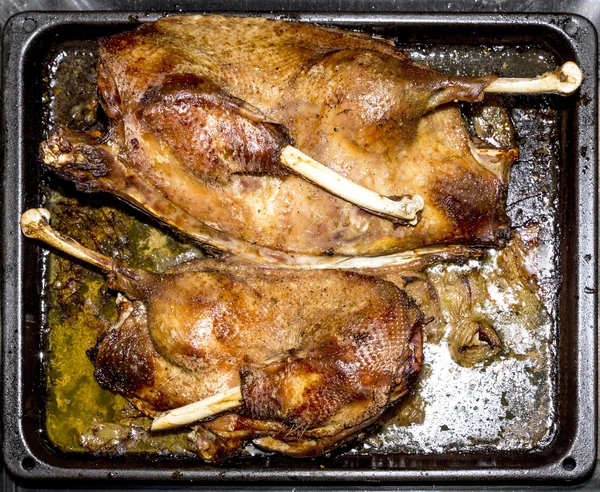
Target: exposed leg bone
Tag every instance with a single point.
(35, 223)
(406, 208)
(565, 80)
(414, 259)
(188, 414)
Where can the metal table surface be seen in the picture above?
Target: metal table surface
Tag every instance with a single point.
(587, 8)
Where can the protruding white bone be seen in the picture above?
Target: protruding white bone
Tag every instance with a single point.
(565, 80)
(35, 223)
(188, 414)
(406, 208)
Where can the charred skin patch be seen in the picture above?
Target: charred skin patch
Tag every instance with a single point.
(124, 358)
(475, 214)
(212, 135)
(109, 94)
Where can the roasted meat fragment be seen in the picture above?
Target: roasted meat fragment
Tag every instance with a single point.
(203, 107)
(317, 355)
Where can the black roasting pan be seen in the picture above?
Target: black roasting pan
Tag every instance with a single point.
(570, 455)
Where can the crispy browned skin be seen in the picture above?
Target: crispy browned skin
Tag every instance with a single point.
(202, 105)
(318, 354)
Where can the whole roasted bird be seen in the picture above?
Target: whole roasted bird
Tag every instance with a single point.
(203, 112)
(303, 360)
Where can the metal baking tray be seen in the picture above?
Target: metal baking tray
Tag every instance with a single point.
(570, 452)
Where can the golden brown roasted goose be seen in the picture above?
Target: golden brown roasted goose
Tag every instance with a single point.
(203, 110)
(314, 356)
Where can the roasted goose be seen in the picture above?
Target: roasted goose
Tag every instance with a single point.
(202, 109)
(317, 355)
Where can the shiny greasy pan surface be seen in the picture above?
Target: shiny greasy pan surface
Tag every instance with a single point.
(569, 175)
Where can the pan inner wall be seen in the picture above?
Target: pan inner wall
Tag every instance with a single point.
(507, 404)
